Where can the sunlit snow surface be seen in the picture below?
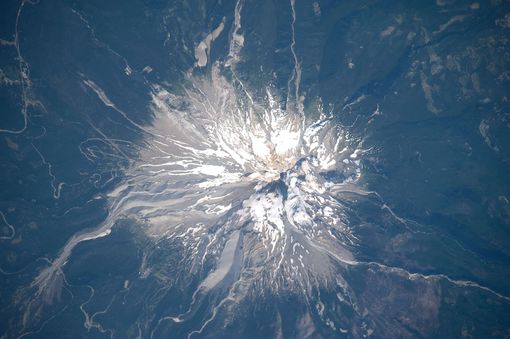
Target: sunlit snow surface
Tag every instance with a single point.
(221, 164)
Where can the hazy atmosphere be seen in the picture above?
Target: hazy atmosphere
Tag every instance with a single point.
(254, 169)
